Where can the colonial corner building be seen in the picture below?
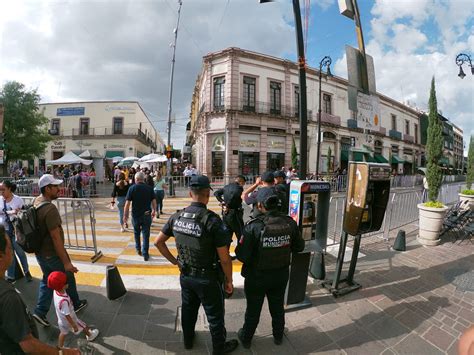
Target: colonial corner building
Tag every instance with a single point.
(105, 128)
(245, 110)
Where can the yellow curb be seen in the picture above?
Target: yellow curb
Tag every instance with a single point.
(82, 278)
(157, 270)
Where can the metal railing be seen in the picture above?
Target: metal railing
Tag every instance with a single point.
(29, 187)
(401, 210)
(78, 223)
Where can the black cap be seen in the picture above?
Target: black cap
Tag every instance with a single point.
(268, 176)
(200, 182)
(264, 193)
(279, 173)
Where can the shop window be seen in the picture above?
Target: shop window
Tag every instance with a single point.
(327, 104)
(118, 125)
(219, 93)
(275, 161)
(249, 94)
(275, 98)
(218, 164)
(249, 163)
(84, 126)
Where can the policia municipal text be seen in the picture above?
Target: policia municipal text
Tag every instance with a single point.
(202, 242)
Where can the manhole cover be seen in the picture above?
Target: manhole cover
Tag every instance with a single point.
(461, 278)
(201, 323)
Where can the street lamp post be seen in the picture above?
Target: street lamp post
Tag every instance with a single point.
(460, 60)
(325, 62)
(303, 114)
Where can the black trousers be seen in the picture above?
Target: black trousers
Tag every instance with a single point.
(234, 220)
(272, 285)
(208, 292)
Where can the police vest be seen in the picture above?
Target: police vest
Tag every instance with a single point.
(274, 245)
(194, 243)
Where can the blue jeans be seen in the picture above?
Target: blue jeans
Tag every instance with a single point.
(45, 295)
(120, 206)
(142, 224)
(21, 255)
(159, 195)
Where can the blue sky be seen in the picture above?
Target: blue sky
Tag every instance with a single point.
(119, 49)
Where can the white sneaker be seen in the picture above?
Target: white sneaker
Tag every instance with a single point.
(122, 229)
(93, 334)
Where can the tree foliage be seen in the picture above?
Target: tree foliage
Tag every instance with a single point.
(434, 146)
(294, 156)
(470, 164)
(25, 127)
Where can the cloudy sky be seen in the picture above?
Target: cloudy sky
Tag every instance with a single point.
(120, 50)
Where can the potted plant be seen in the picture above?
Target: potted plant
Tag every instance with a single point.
(468, 194)
(432, 212)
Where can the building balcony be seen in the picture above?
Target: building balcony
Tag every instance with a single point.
(107, 133)
(351, 123)
(395, 134)
(330, 119)
(408, 138)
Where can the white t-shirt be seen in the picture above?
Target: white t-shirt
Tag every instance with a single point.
(64, 307)
(15, 203)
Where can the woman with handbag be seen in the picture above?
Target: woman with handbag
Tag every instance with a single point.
(120, 192)
(10, 204)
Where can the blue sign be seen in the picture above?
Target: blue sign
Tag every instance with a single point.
(70, 111)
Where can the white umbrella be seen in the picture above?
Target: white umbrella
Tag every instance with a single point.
(129, 159)
(149, 157)
(117, 159)
(160, 159)
(140, 165)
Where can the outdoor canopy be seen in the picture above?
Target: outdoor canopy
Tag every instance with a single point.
(69, 158)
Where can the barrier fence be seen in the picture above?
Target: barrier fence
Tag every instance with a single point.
(78, 223)
(401, 210)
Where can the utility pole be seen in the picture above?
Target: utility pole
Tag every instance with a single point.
(169, 163)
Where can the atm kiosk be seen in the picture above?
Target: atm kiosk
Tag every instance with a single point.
(368, 190)
(309, 207)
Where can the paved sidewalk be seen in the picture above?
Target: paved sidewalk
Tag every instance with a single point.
(414, 302)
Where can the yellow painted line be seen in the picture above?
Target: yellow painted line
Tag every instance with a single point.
(82, 278)
(130, 269)
(84, 257)
(155, 252)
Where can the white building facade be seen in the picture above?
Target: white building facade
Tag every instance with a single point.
(244, 119)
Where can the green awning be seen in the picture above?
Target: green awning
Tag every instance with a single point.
(370, 158)
(358, 156)
(397, 160)
(379, 158)
(114, 153)
(443, 161)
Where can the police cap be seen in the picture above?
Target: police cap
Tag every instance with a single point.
(279, 173)
(268, 176)
(200, 182)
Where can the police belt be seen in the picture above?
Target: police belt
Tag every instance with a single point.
(199, 272)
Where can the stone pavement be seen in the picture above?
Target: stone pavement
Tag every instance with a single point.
(415, 302)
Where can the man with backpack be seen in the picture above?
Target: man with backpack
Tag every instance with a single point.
(51, 255)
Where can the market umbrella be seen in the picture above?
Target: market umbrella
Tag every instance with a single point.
(117, 159)
(147, 157)
(160, 159)
(132, 159)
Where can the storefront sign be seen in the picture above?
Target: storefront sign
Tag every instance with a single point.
(276, 144)
(70, 111)
(368, 113)
(249, 142)
(116, 146)
(122, 109)
(58, 145)
(218, 143)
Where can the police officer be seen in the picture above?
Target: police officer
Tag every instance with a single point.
(230, 198)
(203, 258)
(250, 194)
(282, 189)
(265, 250)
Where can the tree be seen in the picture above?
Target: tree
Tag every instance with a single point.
(25, 128)
(470, 164)
(294, 156)
(329, 160)
(434, 146)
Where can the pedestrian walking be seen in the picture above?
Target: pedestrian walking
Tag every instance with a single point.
(52, 256)
(250, 194)
(203, 258)
(18, 332)
(230, 198)
(120, 193)
(10, 204)
(159, 190)
(265, 250)
(142, 199)
(67, 318)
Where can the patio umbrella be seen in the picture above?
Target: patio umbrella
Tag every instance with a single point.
(117, 159)
(130, 159)
(160, 159)
(148, 157)
(423, 170)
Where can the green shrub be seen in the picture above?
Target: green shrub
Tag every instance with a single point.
(433, 204)
(467, 192)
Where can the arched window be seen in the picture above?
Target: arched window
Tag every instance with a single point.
(329, 135)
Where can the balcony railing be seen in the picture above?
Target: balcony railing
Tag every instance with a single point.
(395, 134)
(351, 123)
(408, 138)
(108, 132)
(331, 119)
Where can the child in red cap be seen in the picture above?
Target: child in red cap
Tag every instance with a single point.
(67, 319)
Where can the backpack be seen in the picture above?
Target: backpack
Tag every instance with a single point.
(27, 228)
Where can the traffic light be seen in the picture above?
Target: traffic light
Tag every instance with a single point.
(170, 154)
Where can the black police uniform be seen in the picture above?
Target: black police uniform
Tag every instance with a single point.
(198, 232)
(265, 250)
(231, 196)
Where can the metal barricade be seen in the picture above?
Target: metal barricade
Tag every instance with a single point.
(78, 223)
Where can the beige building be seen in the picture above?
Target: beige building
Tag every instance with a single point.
(244, 119)
(458, 147)
(105, 128)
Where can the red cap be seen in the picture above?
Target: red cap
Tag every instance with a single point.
(57, 280)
